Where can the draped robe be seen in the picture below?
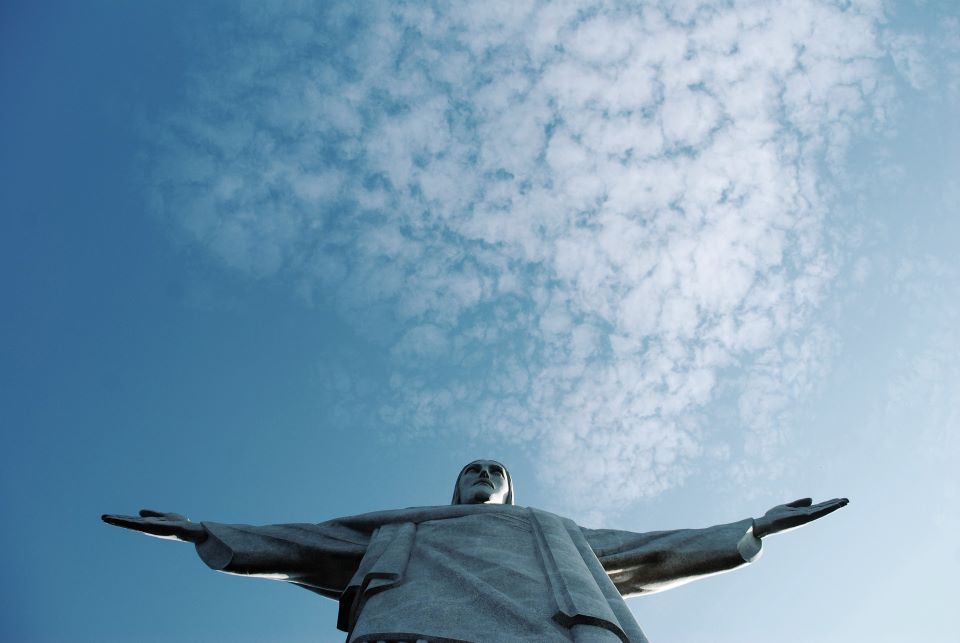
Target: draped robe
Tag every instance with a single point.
(477, 572)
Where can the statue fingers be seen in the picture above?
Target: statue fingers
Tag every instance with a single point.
(801, 502)
(149, 525)
(829, 506)
(127, 522)
(151, 513)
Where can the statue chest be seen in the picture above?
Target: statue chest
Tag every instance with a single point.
(480, 577)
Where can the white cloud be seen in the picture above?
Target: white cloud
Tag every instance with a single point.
(907, 53)
(585, 213)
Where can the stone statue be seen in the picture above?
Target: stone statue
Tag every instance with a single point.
(481, 569)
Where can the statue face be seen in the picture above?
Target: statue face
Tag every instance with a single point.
(483, 482)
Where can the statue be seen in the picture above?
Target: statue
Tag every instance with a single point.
(480, 569)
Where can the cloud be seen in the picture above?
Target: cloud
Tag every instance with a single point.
(567, 222)
(907, 51)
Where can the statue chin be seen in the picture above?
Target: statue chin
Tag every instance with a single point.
(483, 496)
(479, 498)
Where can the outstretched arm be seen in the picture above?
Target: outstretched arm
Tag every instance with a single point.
(320, 557)
(644, 563)
(651, 562)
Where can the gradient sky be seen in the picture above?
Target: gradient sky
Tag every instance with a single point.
(673, 263)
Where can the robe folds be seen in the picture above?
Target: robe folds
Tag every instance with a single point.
(477, 572)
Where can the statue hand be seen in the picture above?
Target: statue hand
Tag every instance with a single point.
(794, 514)
(161, 525)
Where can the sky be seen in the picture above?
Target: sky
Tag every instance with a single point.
(673, 263)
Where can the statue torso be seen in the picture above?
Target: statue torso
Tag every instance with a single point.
(462, 574)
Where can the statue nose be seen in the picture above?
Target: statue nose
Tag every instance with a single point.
(484, 474)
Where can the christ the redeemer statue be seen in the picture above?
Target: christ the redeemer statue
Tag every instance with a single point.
(481, 569)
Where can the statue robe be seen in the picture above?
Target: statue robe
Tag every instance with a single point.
(478, 572)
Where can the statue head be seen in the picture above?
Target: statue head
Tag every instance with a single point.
(483, 482)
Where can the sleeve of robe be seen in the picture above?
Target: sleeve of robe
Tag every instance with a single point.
(319, 557)
(655, 561)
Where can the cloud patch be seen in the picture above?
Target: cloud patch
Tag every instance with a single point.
(567, 222)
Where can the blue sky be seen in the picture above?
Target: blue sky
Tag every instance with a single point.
(672, 263)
